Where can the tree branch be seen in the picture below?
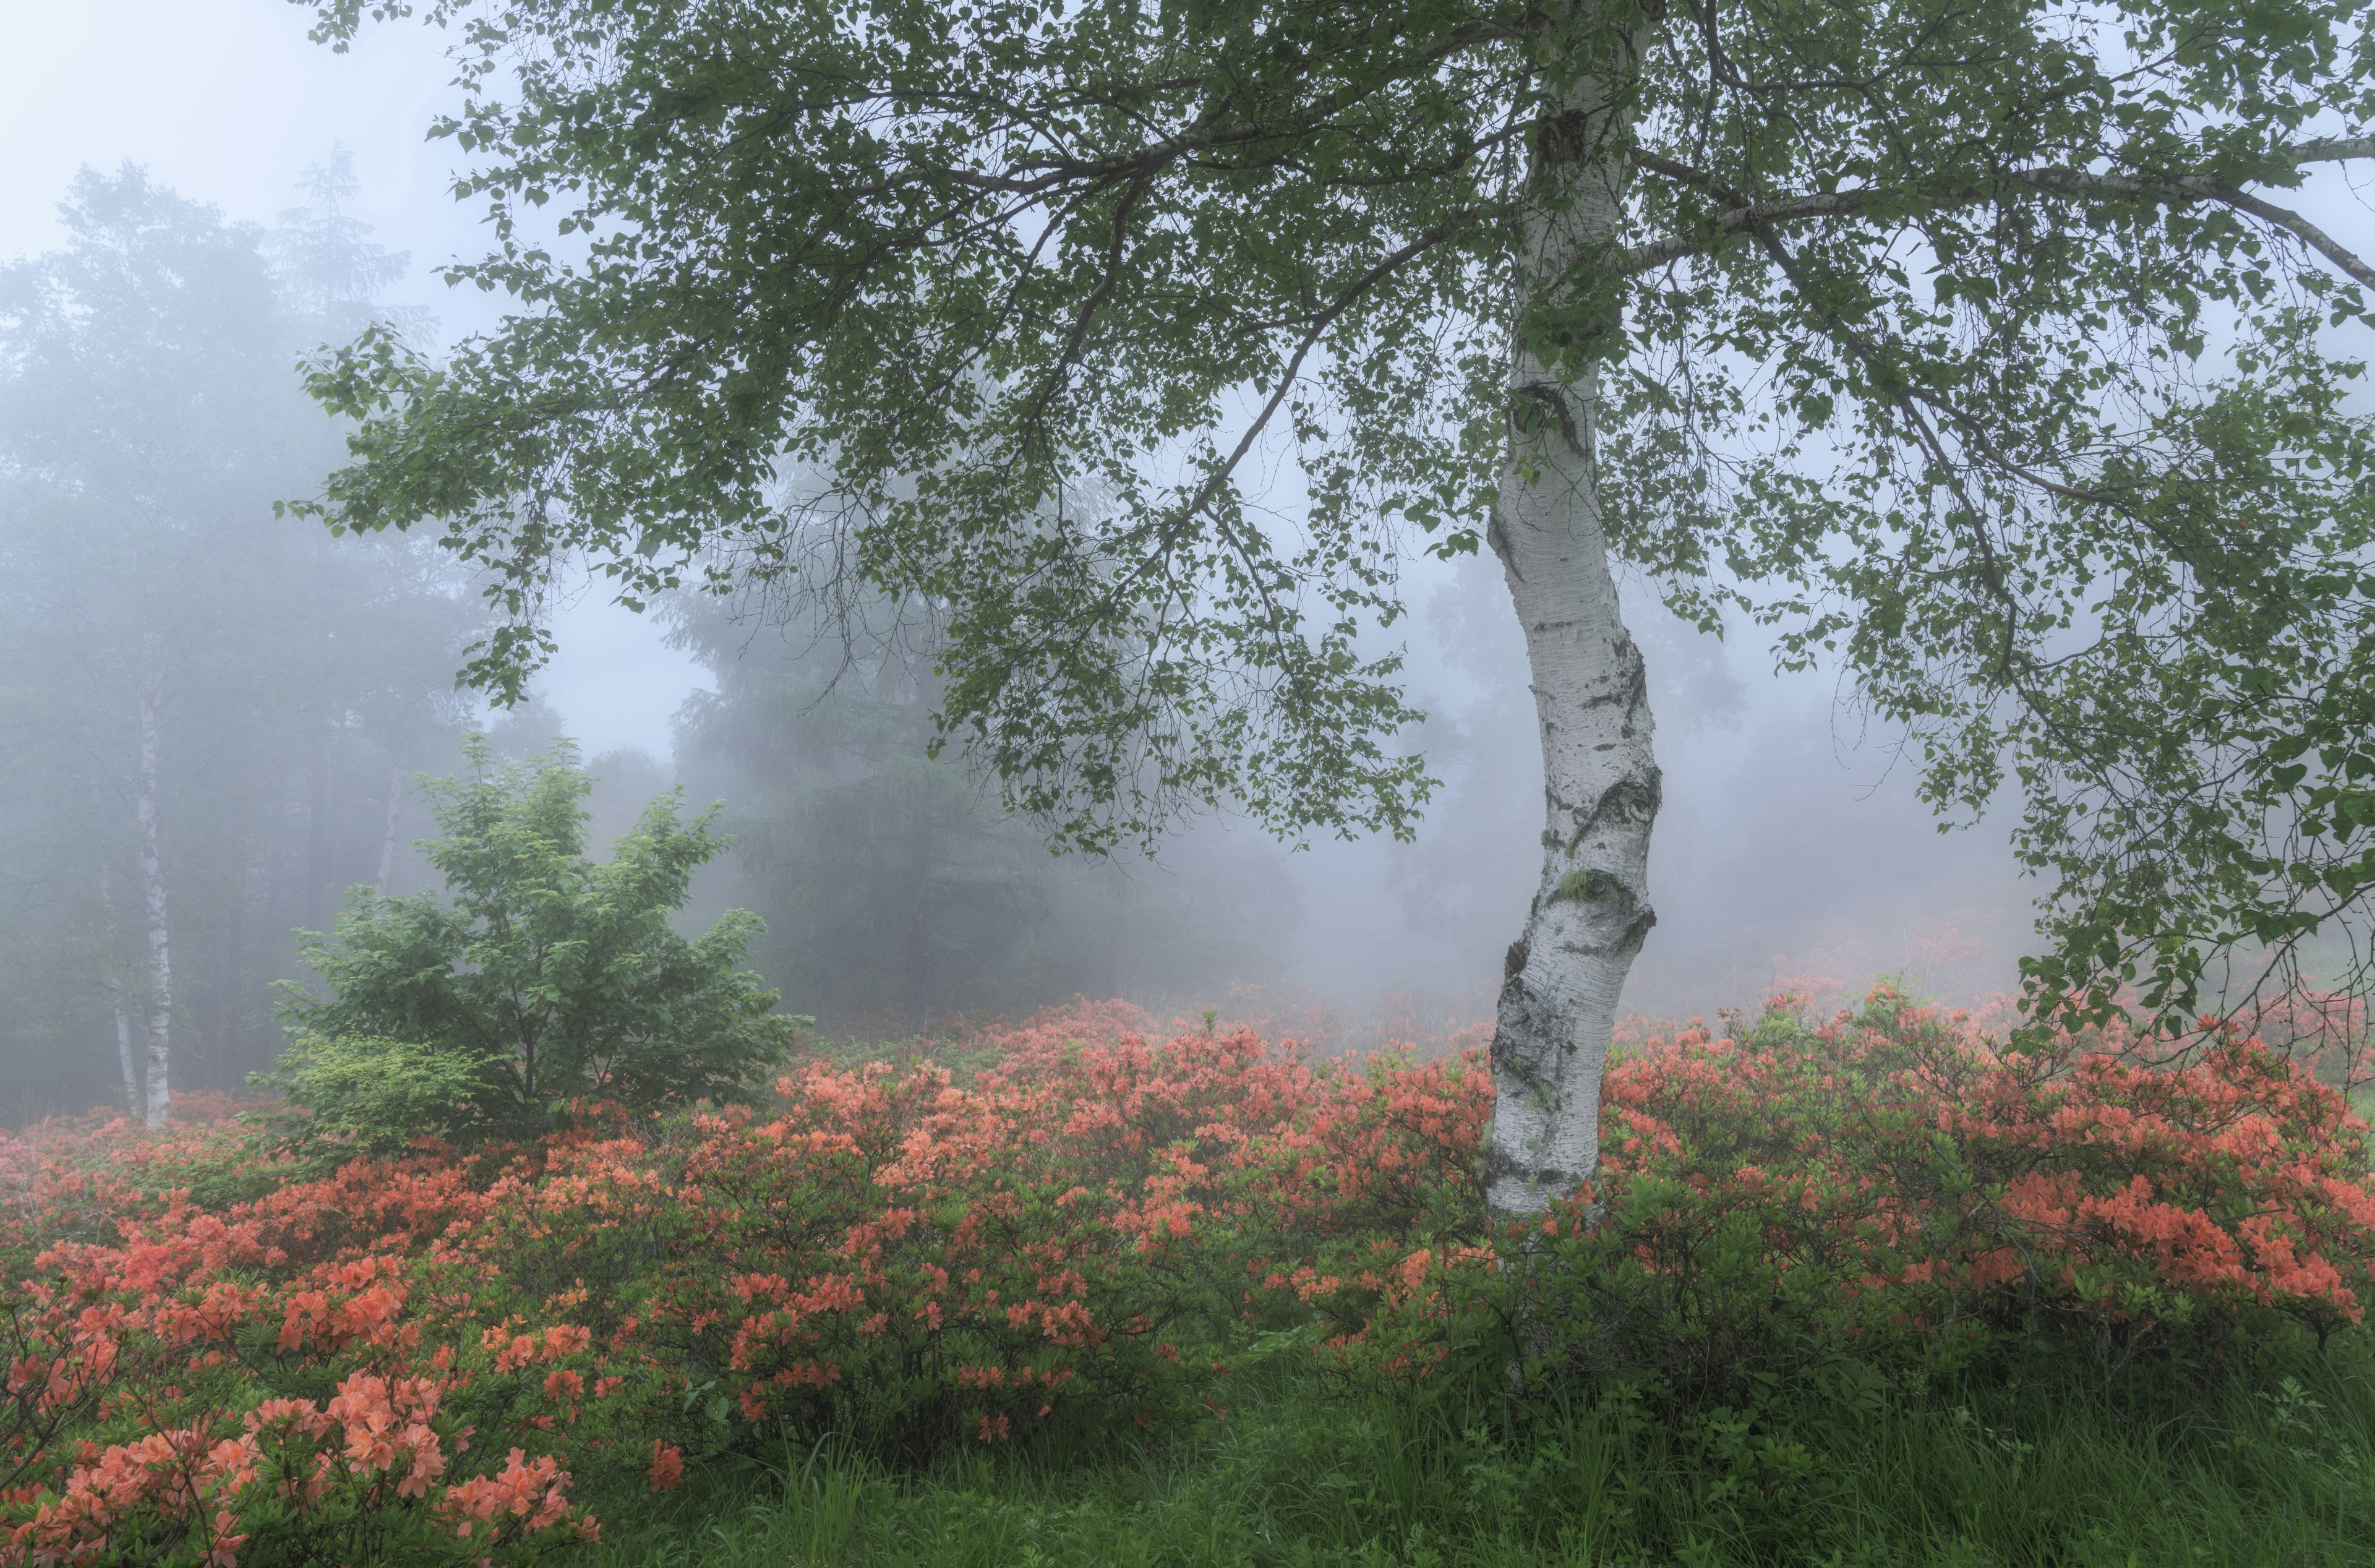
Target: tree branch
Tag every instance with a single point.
(2301, 229)
(1167, 536)
(1743, 216)
(2333, 150)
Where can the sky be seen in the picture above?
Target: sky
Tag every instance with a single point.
(227, 102)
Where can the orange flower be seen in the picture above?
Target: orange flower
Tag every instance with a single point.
(668, 1466)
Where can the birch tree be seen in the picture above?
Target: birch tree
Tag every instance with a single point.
(1976, 347)
(172, 657)
(137, 411)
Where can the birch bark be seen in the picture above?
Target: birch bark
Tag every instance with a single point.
(134, 1100)
(159, 1099)
(1591, 911)
(135, 1095)
(387, 836)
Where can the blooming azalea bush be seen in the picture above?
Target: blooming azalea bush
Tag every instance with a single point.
(1891, 1185)
(253, 1386)
(324, 1364)
(219, 1352)
(1066, 1240)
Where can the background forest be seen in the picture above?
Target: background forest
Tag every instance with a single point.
(207, 716)
(213, 721)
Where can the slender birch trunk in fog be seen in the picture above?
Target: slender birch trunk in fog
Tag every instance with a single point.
(917, 986)
(157, 1101)
(387, 834)
(134, 1098)
(1591, 909)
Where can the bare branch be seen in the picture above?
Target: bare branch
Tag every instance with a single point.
(1742, 220)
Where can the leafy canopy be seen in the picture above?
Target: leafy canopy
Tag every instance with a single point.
(543, 978)
(1965, 342)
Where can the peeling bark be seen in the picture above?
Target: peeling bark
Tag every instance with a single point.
(1591, 907)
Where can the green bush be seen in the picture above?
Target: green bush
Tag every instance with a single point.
(378, 1095)
(542, 981)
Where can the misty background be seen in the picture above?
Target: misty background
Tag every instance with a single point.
(197, 195)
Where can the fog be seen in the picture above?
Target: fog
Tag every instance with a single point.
(295, 683)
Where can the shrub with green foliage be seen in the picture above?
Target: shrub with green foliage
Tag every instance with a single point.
(218, 1352)
(544, 978)
(1890, 1193)
(377, 1096)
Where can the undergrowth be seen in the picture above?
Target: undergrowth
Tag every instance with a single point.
(1869, 1290)
(2274, 1472)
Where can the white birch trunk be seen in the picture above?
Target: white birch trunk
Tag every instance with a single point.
(387, 837)
(134, 1100)
(135, 1096)
(1601, 784)
(157, 1101)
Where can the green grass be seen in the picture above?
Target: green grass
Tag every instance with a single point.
(2277, 1471)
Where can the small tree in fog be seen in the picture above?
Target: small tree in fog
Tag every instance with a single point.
(890, 877)
(539, 977)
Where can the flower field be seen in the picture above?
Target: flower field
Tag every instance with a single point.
(226, 1346)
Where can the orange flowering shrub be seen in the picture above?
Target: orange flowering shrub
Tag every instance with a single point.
(251, 1386)
(920, 1262)
(216, 1353)
(322, 1366)
(1890, 1185)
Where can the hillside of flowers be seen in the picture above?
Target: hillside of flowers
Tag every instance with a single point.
(228, 1342)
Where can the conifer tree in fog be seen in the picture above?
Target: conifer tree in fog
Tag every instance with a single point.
(1979, 349)
(539, 977)
(892, 878)
(184, 672)
(895, 886)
